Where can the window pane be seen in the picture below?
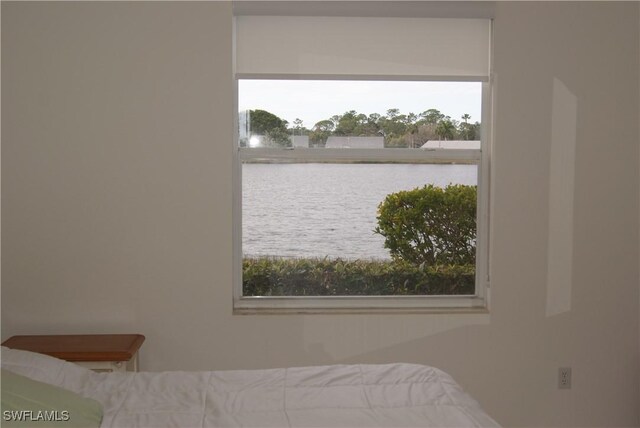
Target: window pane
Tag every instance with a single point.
(358, 222)
(325, 228)
(359, 114)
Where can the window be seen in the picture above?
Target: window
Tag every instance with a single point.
(361, 165)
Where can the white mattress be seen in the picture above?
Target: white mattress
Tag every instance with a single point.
(390, 395)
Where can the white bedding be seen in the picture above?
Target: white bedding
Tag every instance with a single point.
(388, 395)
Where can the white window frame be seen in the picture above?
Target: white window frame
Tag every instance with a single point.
(476, 303)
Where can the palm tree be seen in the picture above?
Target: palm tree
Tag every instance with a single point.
(465, 130)
(445, 130)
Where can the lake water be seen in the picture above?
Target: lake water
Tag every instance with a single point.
(318, 210)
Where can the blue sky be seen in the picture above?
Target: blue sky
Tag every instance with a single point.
(315, 100)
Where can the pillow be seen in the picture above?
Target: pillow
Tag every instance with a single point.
(29, 403)
(44, 368)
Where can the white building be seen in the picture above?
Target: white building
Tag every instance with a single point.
(300, 141)
(334, 142)
(453, 144)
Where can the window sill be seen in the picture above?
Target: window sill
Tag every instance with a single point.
(361, 305)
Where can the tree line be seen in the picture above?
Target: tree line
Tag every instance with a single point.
(399, 130)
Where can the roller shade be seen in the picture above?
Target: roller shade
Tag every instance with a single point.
(430, 48)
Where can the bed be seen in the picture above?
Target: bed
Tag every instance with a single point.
(387, 395)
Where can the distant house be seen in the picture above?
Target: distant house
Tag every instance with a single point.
(355, 142)
(452, 144)
(300, 141)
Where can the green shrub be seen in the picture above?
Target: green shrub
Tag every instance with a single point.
(267, 276)
(430, 226)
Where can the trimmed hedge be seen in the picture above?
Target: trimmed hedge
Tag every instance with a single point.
(268, 276)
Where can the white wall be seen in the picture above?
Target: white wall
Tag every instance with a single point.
(116, 206)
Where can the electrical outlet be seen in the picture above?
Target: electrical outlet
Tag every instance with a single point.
(564, 378)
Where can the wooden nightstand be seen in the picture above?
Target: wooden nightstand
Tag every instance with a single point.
(98, 352)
